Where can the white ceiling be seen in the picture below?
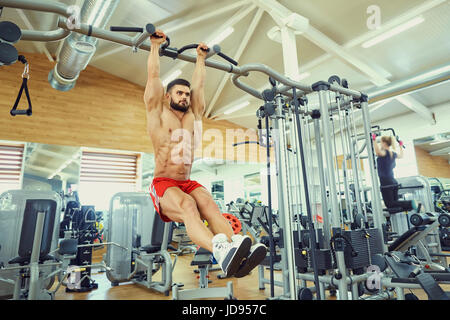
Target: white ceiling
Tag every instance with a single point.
(343, 22)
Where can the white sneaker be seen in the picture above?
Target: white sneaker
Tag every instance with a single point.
(229, 255)
(255, 256)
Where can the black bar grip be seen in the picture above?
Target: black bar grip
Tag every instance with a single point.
(22, 59)
(244, 142)
(190, 46)
(150, 28)
(227, 58)
(20, 112)
(127, 29)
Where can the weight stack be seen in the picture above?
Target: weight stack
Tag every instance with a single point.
(304, 262)
(366, 242)
(324, 261)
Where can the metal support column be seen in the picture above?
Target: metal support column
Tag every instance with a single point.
(335, 215)
(287, 259)
(376, 197)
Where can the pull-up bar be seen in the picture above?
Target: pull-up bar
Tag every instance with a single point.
(64, 30)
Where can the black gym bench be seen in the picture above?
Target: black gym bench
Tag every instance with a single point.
(203, 259)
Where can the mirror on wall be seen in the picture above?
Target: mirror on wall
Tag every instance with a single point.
(49, 167)
(433, 159)
(58, 168)
(252, 187)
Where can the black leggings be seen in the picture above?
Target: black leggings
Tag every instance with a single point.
(390, 195)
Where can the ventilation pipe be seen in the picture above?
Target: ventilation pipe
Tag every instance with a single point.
(78, 49)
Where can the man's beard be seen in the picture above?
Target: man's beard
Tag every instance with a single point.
(178, 107)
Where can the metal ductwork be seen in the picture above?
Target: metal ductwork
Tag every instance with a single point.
(432, 77)
(77, 49)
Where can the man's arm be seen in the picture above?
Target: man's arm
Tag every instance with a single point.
(198, 83)
(154, 91)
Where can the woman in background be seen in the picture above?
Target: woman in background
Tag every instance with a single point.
(386, 163)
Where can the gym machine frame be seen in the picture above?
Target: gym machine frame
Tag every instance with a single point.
(286, 86)
(287, 89)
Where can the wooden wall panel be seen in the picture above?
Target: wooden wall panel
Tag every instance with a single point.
(102, 111)
(431, 166)
(340, 159)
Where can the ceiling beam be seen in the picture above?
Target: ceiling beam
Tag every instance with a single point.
(169, 27)
(237, 17)
(54, 154)
(408, 15)
(46, 172)
(38, 168)
(240, 50)
(320, 39)
(235, 116)
(210, 14)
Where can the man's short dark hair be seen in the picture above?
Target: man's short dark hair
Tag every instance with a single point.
(178, 81)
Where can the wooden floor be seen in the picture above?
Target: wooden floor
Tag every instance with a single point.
(244, 288)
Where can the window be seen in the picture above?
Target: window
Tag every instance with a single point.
(10, 166)
(104, 174)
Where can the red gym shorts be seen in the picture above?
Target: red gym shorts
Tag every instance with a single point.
(160, 185)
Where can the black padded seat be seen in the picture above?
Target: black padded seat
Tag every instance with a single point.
(68, 247)
(202, 257)
(405, 237)
(26, 260)
(394, 210)
(404, 268)
(150, 248)
(32, 207)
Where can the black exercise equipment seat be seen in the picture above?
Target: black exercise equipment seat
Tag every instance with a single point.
(156, 239)
(22, 261)
(68, 247)
(405, 269)
(405, 237)
(202, 258)
(151, 248)
(394, 210)
(32, 208)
